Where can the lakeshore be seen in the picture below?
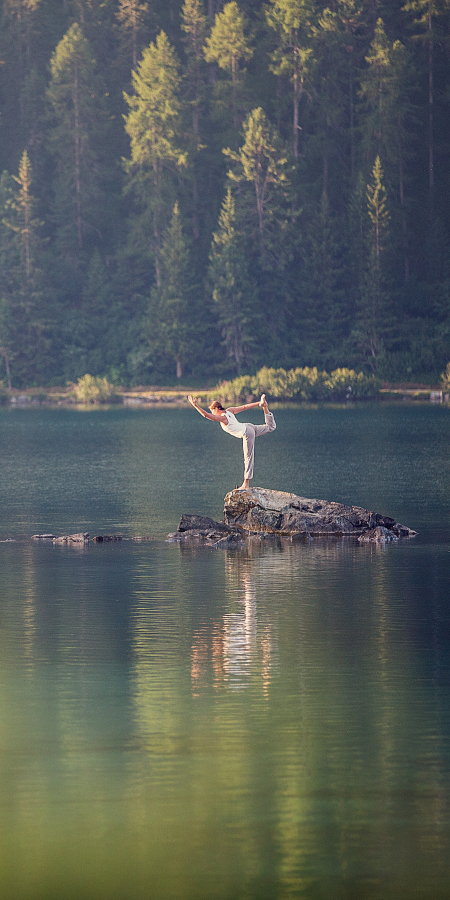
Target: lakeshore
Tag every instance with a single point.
(170, 396)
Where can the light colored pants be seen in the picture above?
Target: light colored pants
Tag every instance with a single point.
(252, 432)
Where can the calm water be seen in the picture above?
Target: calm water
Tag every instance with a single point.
(192, 724)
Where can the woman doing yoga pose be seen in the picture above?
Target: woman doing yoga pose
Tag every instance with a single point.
(244, 430)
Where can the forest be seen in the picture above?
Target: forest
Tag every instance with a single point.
(192, 191)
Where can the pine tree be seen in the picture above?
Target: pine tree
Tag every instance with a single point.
(388, 118)
(292, 20)
(427, 15)
(132, 15)
(326, 311)
(373, 320)
(23, 11)
(228, 46)
(19, 217)
(22, 77)
(233, 291)
(260, 165)
(332, 86)
(153, 125)
(24, 326)
(76, 97)
(194, 26)
(172, 320)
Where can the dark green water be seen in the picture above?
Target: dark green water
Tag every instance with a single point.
(189, 723)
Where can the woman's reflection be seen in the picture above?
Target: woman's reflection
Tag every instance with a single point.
(238, 645)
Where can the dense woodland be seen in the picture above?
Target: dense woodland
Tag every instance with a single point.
(191, 192)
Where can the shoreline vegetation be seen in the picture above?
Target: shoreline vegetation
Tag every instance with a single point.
(290, 387)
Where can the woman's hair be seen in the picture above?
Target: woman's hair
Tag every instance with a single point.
(216, 404)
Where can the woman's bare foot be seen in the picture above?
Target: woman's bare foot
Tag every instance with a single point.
(245, 486)
(263, 403)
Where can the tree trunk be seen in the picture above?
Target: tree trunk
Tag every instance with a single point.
(325, 172)
(77, 159)
(296, 106)
(8, 374)
(430, 109)
(352, 130)
(404, 228)
(179, 368)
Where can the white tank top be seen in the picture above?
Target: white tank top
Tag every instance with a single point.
(237, 429)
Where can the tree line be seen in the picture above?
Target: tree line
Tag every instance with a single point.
(195, 191)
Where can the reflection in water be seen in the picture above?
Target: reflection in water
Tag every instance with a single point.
(237, 646)
(268, 723)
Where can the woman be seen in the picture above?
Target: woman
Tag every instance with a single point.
(244, 430)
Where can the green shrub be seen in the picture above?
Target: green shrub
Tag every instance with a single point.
(237, 391)
(445, 378)
(94, 389)
(346, 384)
(300, 384)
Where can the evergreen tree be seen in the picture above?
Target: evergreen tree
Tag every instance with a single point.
(172, 319)
(293, 57)
(24, 14)
(132, 15)
(228, 46)
(90, 328)
(233, 291)
(427, 15)
(194, 25)
(333, 77)
(23, 80)
(19, 218)
(153, 125)
(78, 126)
(373, 319)
(326, 312)
(260, 165)
(388, 117)
(24, 326)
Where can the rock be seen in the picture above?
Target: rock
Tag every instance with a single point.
(280, 512)
(107, 538)
(378, 535)
(44, 537)
(80, 538)
(202, 528)
(202, 523)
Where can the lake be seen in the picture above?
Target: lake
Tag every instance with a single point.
(185, 723)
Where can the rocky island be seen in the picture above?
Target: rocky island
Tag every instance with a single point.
(261, 511)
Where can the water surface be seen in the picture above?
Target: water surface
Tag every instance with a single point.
(190, 723)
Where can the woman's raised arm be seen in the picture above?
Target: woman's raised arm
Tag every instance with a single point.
(207, 415)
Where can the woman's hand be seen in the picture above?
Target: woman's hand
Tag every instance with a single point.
(192, 401)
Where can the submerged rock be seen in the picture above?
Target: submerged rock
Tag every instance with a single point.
(81, 538)
(378, 535)
(194, 528)
(283, 513)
